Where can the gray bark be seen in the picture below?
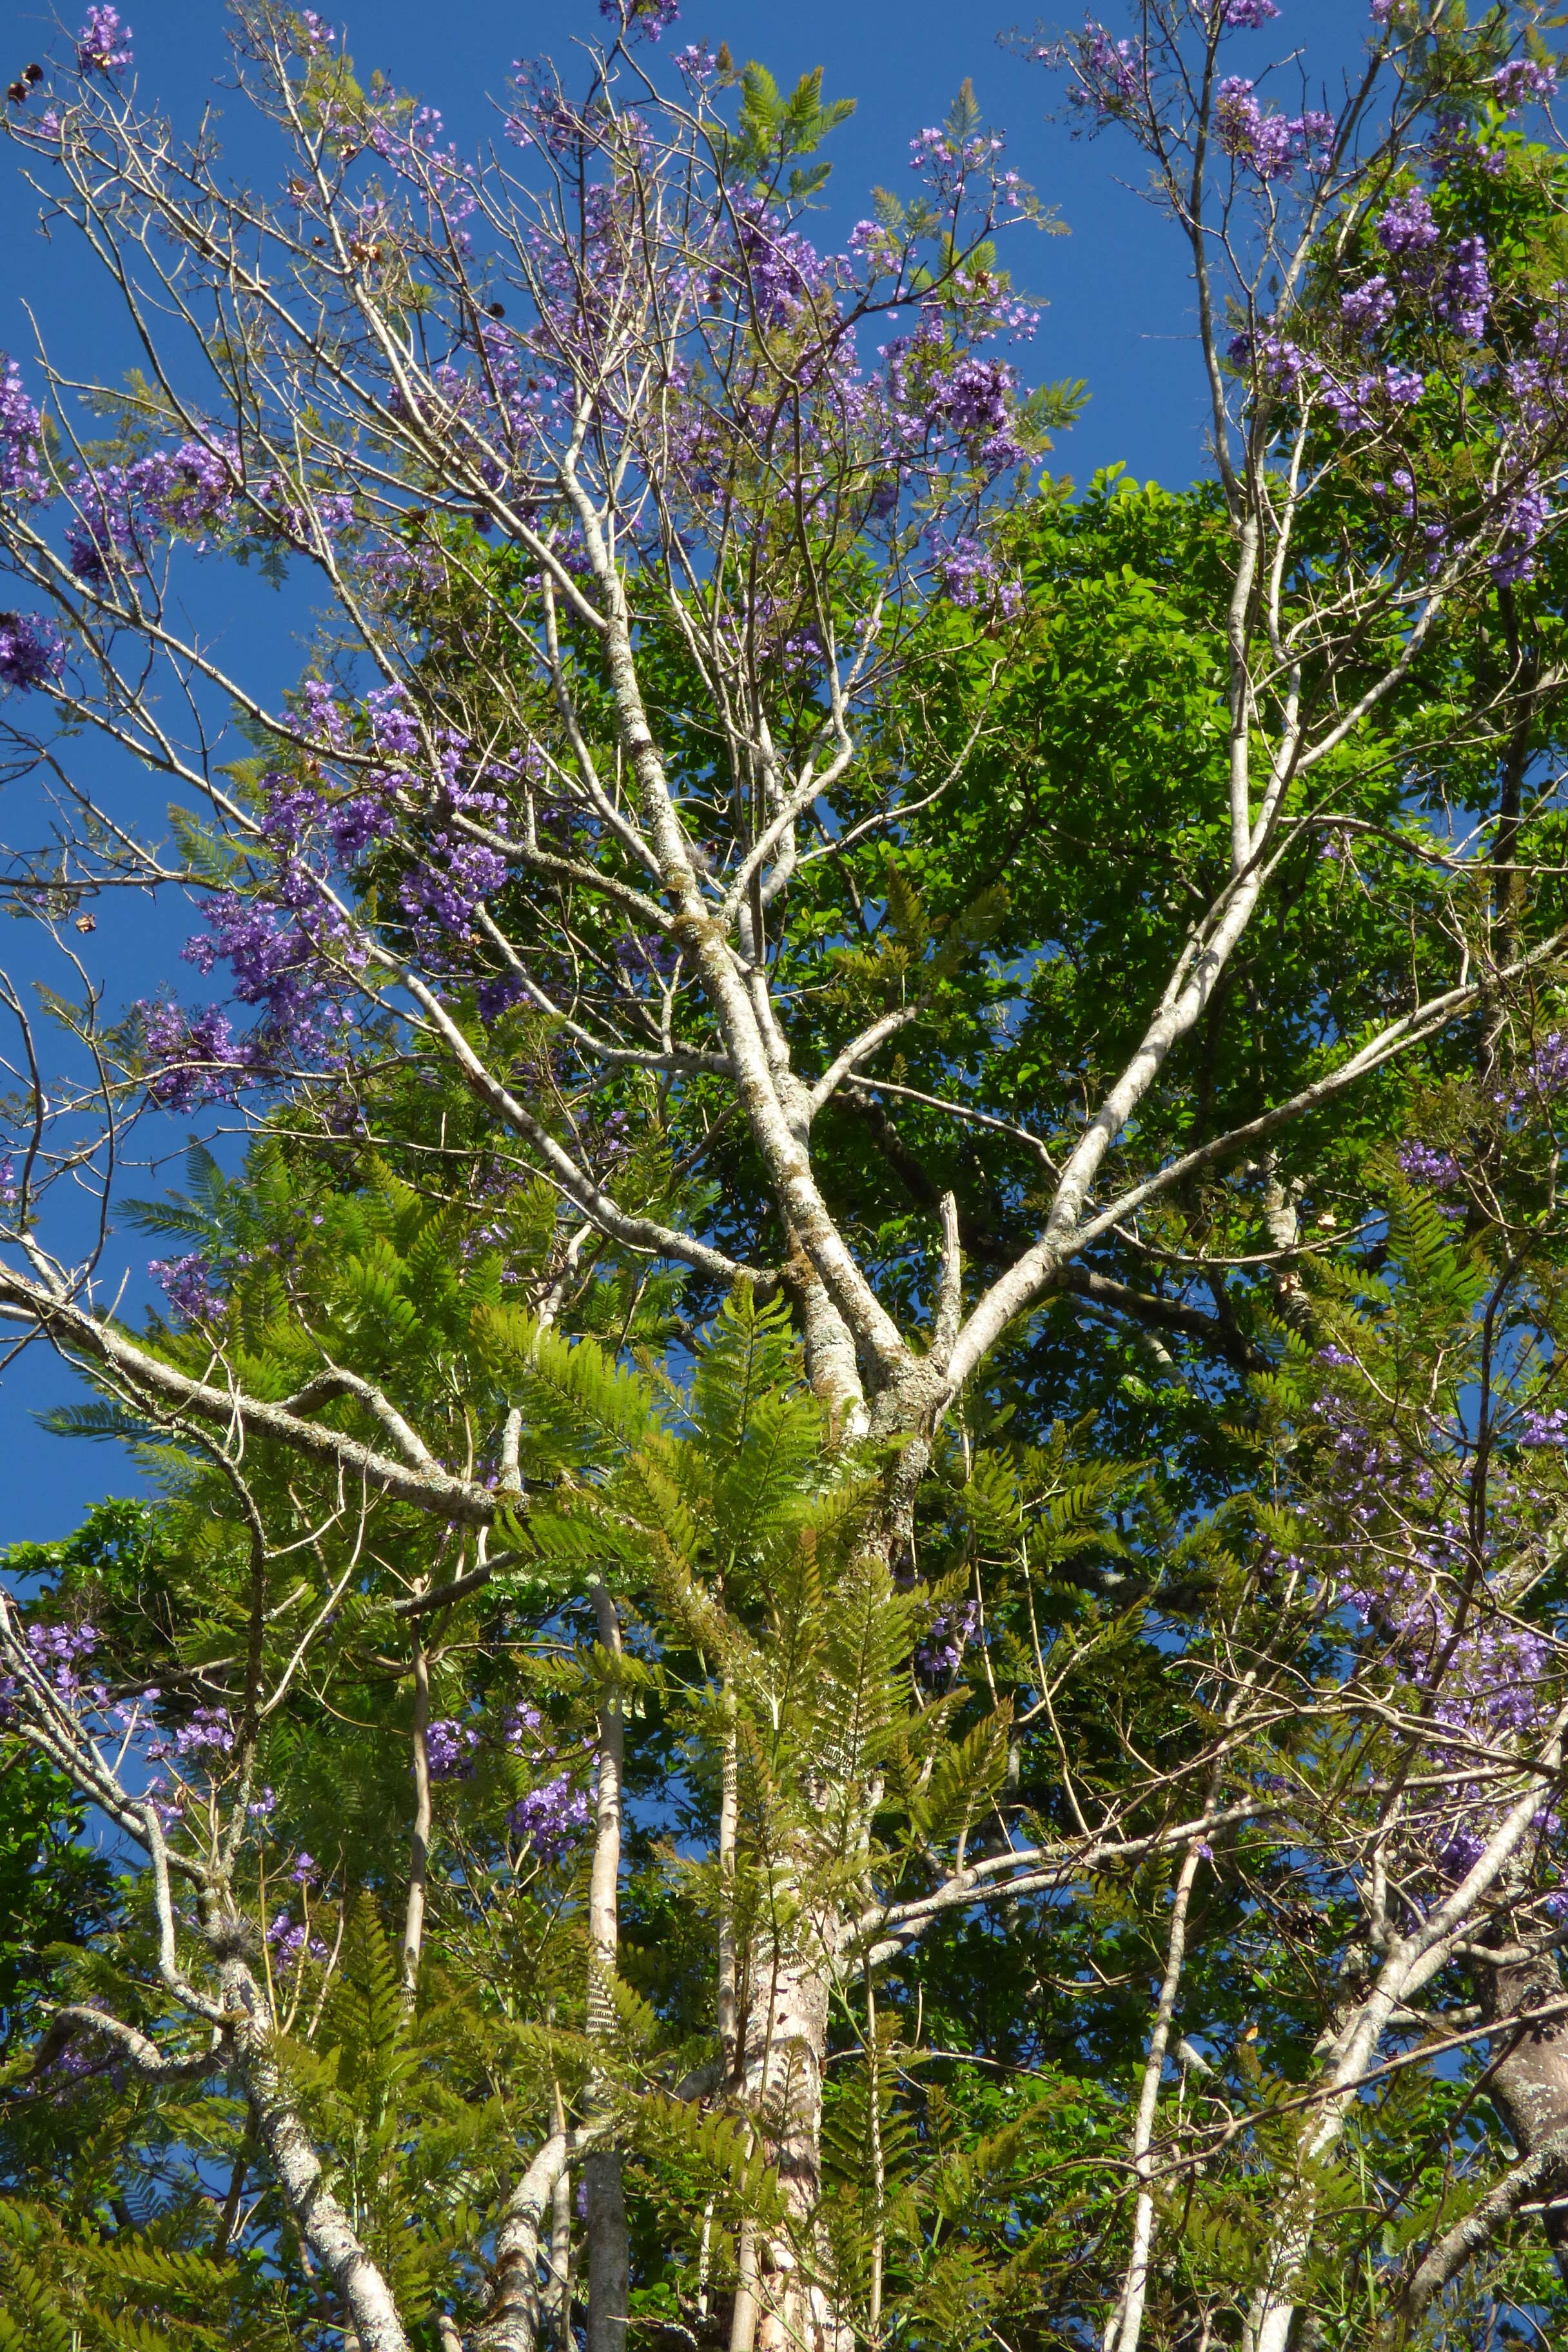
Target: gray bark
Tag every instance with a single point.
(1528, 2082)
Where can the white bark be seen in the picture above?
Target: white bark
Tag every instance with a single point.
(330, 2238)
(419, 1855)
(1125, 2328)
(609, 2262)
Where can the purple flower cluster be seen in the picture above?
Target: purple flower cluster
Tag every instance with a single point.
(1273, 145)
(969, 575)
(444, 889)
(551, 1819)
(103, 44)
(1524, 517)
(1248, 16)
(31, 653)
(948, 1636)
(645, 19)
(1467, 295)
(278, 958)
(1400, 1550)
(1370, 307)
(449, 1749)
(290, 1942)
(203, 1742)
(192, 1058)
(1545, 1074)
(1522, 80)
(121, 510)
(1424, 1164)
(294, 812)
(21, 438)
(187, 1283)
(1545, 1428)
(1407, 226)
(1109, 71)
(59, 1652)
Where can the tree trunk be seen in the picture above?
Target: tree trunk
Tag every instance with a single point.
(363, 2292)
(419, 1857)
(784, 2048)
(1527, 2080)
(609, 2261)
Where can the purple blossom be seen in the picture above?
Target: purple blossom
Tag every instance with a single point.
(58, 1651)
(1108, 70)
(10, 1192)
(497, 994)
(277, 954)
(1275, 356)
(1460, 1852)
(393, 726)
(550, 1818)
(969, 574)
(288, 1942)
(353, 825)
(1271, 143)
(1348, 402)
(21, 437)
(1467, 293)
(646, 20)
(1403, 386)
(947, 1637)
(1248, 16)
(1424, 1164)
(1367, 308)
(1545, 1428)
(449, 1749)
(192, 1057)
(1544, 1074)
(1522, 80)
(31, 652)
(119, 511)
(187, 1283)
(306, 1870)
(443, 891)
(203, 1741)
(1407, 226)
(1524, 518)
(103, 44)
(698, 63)
(292, 812)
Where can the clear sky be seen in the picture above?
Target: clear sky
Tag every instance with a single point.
(1118, 315)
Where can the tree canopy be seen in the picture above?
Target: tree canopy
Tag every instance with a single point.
(847, 1620)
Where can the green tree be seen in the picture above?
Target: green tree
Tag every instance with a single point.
(948, 1717)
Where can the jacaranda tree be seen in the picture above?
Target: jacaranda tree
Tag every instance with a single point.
(853, 1628)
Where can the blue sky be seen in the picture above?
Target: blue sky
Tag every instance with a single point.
(1117, 314)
